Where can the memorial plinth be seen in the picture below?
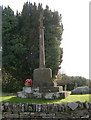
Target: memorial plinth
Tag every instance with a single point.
(42, 77)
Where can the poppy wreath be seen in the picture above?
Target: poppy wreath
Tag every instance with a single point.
(28, 83)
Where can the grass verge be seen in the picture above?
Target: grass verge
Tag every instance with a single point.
(70, 98)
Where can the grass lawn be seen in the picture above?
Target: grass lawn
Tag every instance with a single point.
(70, 98)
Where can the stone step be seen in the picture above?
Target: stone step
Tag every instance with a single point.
(50, 96)
(48, 89)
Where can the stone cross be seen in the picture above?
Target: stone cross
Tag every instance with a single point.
(41, 20)
(41, 44)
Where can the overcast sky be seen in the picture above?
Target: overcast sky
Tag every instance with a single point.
(75, 43)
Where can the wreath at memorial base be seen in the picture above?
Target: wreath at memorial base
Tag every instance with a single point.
(28, 83)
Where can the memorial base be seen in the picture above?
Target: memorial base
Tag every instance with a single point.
(43, 87)
(39, 94)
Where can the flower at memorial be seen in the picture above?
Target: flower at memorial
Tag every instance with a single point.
(28, 83)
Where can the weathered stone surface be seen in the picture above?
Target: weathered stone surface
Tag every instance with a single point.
(38, 107)
(81, 90)
(59, 108)
(62, 108)
(63, 94)
(50, 115)
(35, 111)
(24, 115)
(22, 95)
(15, 108)
(9, 115)
(2, 108)
(44, 108)
(6, 105)
(30, 108)
(35, 90)
(34, 107)
(49, 89)
(60, 88)
(87, 105)
(49, 96)
(49, 107)
(81, 113)
(47, 93)
(30, 95)
(9, 107)
(72, 105)
(43, 115)
(66, 107)
(27, 89)
(90, 106)
(80, 104)
(55, 95)
(26, 107)
(54, 108)
(37, 95)
(41, 44)
(42, 77)
(23, 108)
(19, 94)
(90, 113)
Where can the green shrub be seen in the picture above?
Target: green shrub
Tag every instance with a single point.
(10, 84)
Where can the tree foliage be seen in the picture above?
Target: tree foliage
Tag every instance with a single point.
(71, 81)
(21, 41)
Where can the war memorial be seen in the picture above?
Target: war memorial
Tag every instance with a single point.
(43, 86)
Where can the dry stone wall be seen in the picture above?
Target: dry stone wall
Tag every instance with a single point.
(44, 111)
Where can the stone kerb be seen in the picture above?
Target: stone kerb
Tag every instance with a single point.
(26, 110)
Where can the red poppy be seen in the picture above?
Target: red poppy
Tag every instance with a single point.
(29, 81)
